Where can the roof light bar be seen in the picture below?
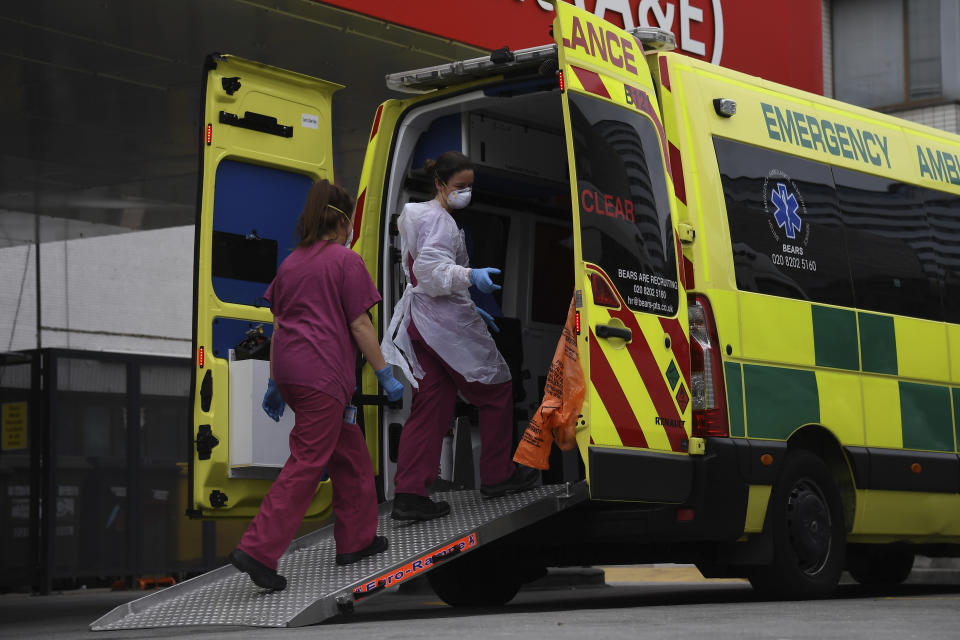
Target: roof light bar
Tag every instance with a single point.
(429, 79)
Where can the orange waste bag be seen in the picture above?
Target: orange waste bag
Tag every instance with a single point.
(556, 418)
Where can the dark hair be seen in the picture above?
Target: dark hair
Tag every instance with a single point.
(446, 165)
(318, 218)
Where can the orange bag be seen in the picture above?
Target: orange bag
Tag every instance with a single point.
(556, 418)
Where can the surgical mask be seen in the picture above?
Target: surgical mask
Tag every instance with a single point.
(347, 219)
(460, 198)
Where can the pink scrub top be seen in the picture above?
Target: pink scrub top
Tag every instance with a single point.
(317, 292)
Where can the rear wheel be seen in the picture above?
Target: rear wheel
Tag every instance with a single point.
(879, 565)
(809, 535)
(480, 578)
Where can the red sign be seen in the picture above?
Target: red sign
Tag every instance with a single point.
(779, 40)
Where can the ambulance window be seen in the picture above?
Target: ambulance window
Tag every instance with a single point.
(785, 225)
(890, 246)
(625, 224)
(255, 213)
(943, 215)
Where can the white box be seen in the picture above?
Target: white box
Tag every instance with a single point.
(259, 447)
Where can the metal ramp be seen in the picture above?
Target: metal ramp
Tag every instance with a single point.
(318, 589)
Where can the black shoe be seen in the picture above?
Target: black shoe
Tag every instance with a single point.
(379, 545)
(523, 478)
(410, 506)
(262, 575)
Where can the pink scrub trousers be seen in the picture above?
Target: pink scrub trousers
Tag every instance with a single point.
(319, 440)
(433, 406)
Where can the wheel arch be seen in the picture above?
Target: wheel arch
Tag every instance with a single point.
(821, 442)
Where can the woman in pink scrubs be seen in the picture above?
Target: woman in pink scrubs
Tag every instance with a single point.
(319, 298)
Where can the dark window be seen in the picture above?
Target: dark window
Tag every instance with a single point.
(552, 284)
(625, 221)
(943, 215)
(785, 226)
(891, 253)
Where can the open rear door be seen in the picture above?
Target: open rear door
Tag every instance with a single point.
(634, 340)
(266, 139)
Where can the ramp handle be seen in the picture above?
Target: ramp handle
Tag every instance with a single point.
(437, 558)
(359, 595)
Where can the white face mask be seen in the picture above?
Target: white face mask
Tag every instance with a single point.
(349, 238)
(460, 198)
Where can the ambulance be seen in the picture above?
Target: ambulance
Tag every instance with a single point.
(766, 281)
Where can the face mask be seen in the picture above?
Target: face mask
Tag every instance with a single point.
(459, 199)
(347, 220)
(349, 238)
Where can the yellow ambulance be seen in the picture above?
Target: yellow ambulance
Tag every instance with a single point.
(765, 280)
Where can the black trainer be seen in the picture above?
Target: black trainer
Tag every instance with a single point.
(379, 545)
(262, 575)
(410, 506)
(523, 478)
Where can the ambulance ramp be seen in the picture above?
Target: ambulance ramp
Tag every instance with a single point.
(318, 589)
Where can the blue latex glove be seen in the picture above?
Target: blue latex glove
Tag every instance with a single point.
(480, 278)
(488, 319)
(272, 401)
(390, 384)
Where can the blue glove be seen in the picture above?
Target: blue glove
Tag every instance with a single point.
(272, 401)
(390, 384)
(488, 319)
(480, 278)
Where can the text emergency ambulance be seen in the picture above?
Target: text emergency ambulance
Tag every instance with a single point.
(767, 281)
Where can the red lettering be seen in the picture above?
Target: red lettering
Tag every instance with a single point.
(620, 208)
(577, 37)
(628, 56)
(601, 47)
(613, 39)
(583, 200)
(607, 202)
(629, 210)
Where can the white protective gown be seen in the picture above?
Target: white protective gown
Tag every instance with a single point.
(440, 304)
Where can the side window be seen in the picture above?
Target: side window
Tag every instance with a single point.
(625, 221)
(943, 215)
(785, 226)
(889, 245)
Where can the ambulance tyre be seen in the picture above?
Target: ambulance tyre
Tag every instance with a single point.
(879, 565)
(478, 579)
(808, 532)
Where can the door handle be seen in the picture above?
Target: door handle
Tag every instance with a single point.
(606, 331)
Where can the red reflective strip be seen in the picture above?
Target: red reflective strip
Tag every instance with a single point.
(376, 122)
(650, 373)
(591, 81)
(664, 74)
(688, 272)
(676, 170)
(614, 401)
(358, 217)
(646, 106)
(679, 344)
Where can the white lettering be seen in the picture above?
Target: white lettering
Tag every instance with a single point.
(690, 14)
(663, 16)
(618, 6)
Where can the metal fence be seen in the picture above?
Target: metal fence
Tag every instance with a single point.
(104, 440)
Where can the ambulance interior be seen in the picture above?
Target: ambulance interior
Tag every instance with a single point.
(519, 221)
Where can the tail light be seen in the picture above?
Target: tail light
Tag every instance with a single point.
(602, 293)
(708, 395)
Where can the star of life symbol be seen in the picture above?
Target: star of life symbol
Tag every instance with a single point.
(786, 213)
